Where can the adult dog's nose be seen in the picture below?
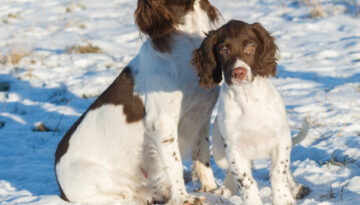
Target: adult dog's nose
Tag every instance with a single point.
(239, 73)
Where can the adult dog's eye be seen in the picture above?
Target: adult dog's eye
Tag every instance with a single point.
(224, 51)
(250, 49)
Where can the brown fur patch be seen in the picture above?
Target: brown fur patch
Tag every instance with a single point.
(121, 92)
(221, 48)
(155, 20)
(266, 65)
(159, 19)
(205, 62)
(171, 140)
(179, 8)
(212, 12)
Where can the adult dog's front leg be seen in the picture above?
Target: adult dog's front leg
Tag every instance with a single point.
(240, 168)
(164, 134)
(166, 142)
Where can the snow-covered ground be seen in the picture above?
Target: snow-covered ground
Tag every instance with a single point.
(319, 78)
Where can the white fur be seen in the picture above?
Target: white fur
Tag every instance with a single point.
(107, 157)
(252, 124)
(196, 22)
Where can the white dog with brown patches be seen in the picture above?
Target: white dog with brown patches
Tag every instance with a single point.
(251, 122)
(128, 145)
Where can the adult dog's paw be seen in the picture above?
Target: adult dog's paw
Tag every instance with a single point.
(195, 201)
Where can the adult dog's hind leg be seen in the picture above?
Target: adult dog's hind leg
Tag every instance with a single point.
(87, 181)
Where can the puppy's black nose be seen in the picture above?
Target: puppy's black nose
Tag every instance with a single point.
(239, 73)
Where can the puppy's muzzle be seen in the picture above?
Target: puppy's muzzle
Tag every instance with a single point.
(239, 73)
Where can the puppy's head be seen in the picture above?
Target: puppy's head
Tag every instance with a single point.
(239, 51)
(160, 18)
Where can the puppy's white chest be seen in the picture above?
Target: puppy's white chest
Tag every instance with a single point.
(251, 117)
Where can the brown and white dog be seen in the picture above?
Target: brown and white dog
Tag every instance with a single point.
(251, 122)
(128, 145)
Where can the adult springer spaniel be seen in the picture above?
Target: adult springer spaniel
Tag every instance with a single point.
(129, 143)
(251, 122)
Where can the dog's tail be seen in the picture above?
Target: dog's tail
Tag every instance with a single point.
(302, 134)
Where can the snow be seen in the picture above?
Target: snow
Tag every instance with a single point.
(318, 77)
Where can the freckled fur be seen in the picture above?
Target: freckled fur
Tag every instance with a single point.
(251, 118)
(127, 146)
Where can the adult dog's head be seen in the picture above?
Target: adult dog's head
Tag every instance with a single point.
(159, 19)
(238, 50)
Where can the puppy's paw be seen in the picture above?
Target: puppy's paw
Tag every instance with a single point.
(210, 189)
(223, 191)
(301, 192)
(190, 200)
(283, 198)
(285, 202)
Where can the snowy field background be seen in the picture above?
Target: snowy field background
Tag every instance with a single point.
(47, 81)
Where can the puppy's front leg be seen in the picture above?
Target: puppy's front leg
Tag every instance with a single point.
(280, 158)
(240, 168)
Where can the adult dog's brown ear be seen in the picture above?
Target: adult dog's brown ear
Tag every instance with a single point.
(155, 20)
(266, 55)
(205, 63)
(211, 11)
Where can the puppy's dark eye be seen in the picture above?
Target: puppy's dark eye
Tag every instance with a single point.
(224, 51)
(250, 49)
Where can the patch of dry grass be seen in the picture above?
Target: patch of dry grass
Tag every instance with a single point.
(40, 127)
(14, 56)
(13, 15)
(82, 26)
(321, 8)
(316, 9)
(10, 17)
(82, 49)
(74, 6)
(86, 96)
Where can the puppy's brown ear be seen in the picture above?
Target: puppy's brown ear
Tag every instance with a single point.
(205, 63)
(266, 54)
(155, 20)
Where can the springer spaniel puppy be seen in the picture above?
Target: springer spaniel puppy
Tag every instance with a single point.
(129, 143)
(251, 122)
